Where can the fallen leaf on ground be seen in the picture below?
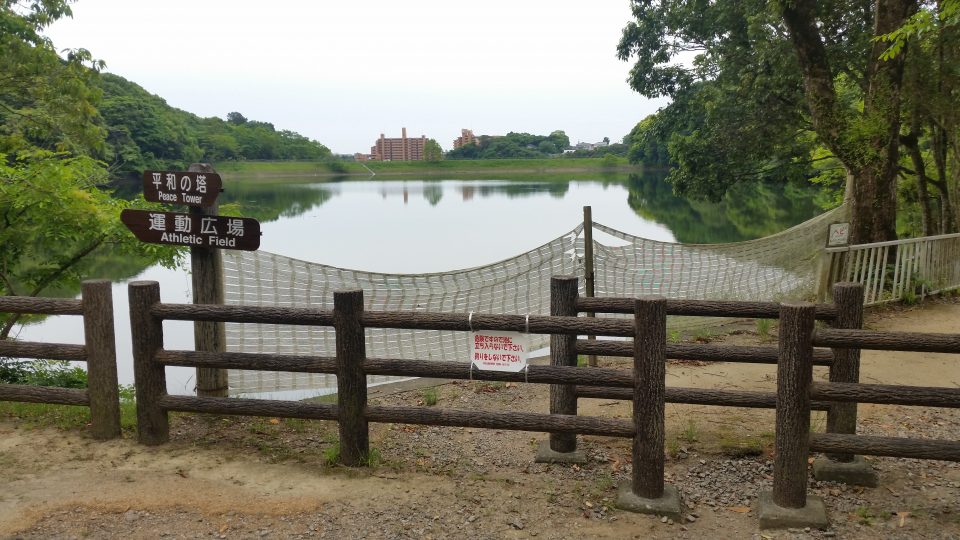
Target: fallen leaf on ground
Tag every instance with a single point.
(903, 517)
(274, 421)
(739, 509)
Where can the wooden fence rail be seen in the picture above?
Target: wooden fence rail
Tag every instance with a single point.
(98, 351)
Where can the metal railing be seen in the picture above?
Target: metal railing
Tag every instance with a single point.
(896, 270)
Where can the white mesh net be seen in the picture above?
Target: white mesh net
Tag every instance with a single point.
(776, 267)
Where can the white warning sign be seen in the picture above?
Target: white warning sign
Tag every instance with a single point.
(499, 351)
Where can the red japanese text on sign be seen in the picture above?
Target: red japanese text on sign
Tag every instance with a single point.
(499, 351)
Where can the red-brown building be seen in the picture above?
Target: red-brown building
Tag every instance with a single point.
(466, 137)
(398, 149)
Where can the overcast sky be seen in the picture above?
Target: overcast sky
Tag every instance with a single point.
(343, 72)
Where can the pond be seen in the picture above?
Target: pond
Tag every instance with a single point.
(418, 226)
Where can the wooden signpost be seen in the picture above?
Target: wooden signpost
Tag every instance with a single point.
(194, 188)
(206, 233)
(193, 230)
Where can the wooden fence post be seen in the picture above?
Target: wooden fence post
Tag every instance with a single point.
(351, 381)
(206, 266)
(101, 347)
(647, 492)
(153, 426)
(789, 505)
(842, 417)
(562, 447)
(588, 270)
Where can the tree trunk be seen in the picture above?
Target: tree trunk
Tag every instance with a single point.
(911, 143)
(866, 144)
(938, 148)
(873, 214)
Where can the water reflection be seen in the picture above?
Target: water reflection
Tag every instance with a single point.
(748, 210)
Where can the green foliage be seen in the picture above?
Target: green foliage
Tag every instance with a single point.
(762, 92)
(610, 161)
(46, 101)
(513, 145)
(56, 373)
(928, 19)
(144, 132)
(432, 151)
(56, 216)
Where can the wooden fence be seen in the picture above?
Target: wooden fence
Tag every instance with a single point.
(843, 363)
(800, 347)
(98, 351)
(896, 270)
(796, 391)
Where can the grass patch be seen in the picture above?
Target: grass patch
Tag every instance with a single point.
(43, 415)
(673, 448)
(763, 328)
(461, 167)
(326, 398)
(738, 448)
(429, 397)
(866, 515)
(691, 433)
(331, 456)
(704, 335)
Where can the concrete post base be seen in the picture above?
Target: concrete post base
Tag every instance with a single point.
(667, 504)
(546, 455)
(772, 516)
(855, 473)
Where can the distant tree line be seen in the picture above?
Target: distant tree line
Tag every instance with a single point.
(513, 145)
(144, 132)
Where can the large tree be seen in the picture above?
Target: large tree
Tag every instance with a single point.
(54, 214)
(757, 85)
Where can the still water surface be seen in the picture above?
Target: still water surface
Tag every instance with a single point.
(416, 226)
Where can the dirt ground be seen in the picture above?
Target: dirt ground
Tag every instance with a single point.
(223, 477)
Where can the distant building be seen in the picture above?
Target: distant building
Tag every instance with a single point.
(396, 149)
(466, 137)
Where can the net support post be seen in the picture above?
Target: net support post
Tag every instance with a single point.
(588, 269)
(100, 344)
(788, 505)
(351, 380)
(842, 417)
(647, 493)
(153, 425)
(562, 447)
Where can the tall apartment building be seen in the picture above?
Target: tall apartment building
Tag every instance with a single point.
(398, 149)
(466, 137)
